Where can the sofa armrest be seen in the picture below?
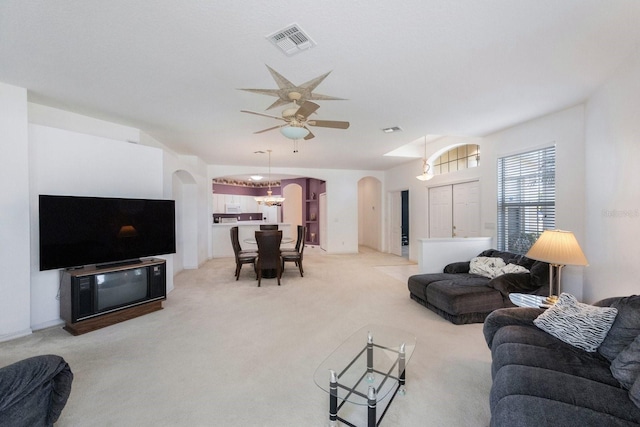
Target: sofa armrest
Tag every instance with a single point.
(34, 390)
(513, 282)
(457, 267)
(508, 316)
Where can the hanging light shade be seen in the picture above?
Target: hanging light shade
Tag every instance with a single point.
(426, 175)
(426, 169)
(294, 132)
(269, 199)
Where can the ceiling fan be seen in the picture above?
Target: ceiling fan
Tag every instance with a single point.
(297, 119)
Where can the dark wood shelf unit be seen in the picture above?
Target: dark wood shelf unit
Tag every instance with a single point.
(313, 188)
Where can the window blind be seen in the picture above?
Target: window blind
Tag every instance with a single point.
(526, 198)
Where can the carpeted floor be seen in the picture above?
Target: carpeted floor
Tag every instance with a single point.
(227, 353)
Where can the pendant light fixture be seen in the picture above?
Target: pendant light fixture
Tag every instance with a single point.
(269, 199)
(426, 169)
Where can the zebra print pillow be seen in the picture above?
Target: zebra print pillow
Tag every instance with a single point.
(581, 325)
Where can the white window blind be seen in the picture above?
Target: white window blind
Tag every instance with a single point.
(526, 198)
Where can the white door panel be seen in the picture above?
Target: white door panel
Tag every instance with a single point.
(440, 209)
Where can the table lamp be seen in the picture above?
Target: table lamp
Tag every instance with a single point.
(558, 248)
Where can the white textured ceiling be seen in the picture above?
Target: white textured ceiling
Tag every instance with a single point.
(438, 67)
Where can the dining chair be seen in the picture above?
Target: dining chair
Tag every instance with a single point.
(242, 257)
(295, 256)
(269, 262)
(268, 227)
(302, 231)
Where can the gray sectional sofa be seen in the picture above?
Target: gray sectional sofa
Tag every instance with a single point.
(462, 297)
(540, 380)
(34, 391)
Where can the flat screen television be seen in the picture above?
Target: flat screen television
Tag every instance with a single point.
(77, 231)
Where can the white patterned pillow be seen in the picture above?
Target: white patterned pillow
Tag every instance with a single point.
(512, 268)
(581, 325)
(486, 266)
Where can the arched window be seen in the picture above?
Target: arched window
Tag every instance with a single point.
(458, 158)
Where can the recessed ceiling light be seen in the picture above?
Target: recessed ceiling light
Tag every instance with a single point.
(392, 129)
(256, 177)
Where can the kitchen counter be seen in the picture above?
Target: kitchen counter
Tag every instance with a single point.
(246, 229)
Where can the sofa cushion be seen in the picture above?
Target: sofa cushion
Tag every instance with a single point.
(465, 294)
(486, 266)
(560, 398)
(625, 328)
(634, 393)
(569, 360)
(626, 366)
(457, 267)
(582, 325)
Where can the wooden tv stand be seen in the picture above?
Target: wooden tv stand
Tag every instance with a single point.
(95, 297)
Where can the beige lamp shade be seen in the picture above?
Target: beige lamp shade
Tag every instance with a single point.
(557, 247)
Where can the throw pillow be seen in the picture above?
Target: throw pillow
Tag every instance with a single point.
(512, 268)
(626, 366)
(625, 329)
(486, 266)
(581, 325)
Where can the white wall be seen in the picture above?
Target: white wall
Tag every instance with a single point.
(15, 309)
(47, 150)
(71, 163)
(613, 185)
(564, 128)
(403, 177)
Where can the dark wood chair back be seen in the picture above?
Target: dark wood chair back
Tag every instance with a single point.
(269, 257)
(268, 248)
(235, 242)
(242, 257)
(268, 226)
(302, 231)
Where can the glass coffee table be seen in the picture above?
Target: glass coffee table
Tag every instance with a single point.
(368, 369)
(527, 300)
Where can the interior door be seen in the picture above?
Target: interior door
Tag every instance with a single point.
(466, 209)
(440, 211)
(395, 223)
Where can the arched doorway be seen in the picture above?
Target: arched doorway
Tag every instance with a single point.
(292, 207)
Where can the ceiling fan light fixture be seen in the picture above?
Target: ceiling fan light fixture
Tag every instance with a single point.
(294, 132)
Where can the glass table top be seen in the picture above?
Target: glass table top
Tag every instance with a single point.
(252, 240)
(349, 362)
(527, 300)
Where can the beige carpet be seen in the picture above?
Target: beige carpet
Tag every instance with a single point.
(227, 353)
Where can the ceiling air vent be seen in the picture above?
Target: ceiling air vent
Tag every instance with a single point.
(291, 40)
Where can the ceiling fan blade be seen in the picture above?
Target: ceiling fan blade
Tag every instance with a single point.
(268, 129)
(261, 114)
(310, 136)
(307, 109)
(329, 124)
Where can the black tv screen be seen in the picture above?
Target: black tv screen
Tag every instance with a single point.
(77, 231)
